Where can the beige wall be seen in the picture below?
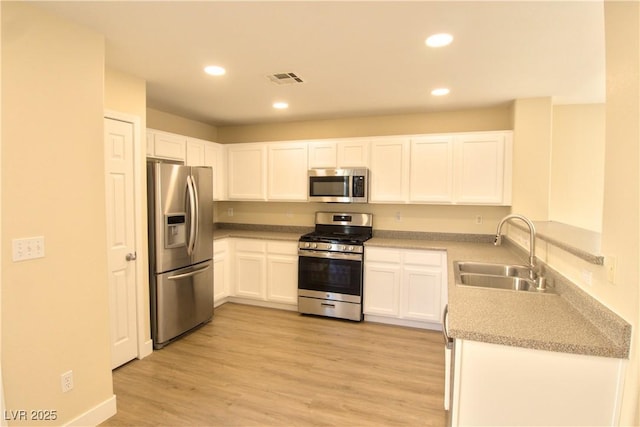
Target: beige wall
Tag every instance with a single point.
(425, 218)
(577, 165)
(171, 123)
(621, 215)
(498, 118)
(532, 157)
(54, 309)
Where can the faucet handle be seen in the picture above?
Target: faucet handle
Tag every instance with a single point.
(497, 240)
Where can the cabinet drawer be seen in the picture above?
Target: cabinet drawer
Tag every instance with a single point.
(423, 257)
(247, 245)
(383, 255)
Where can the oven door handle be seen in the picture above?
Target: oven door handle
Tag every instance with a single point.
(329, 255)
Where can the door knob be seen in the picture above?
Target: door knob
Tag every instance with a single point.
(131, 257)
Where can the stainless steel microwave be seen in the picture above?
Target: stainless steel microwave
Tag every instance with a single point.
(339, 185)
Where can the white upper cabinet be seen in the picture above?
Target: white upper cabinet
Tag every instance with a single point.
(431, 177)
(215, 155)
(468, 168)
(195, 152)
(389, 174)
(287, 171)
(166, 145)
(483, 168)
(347, 153)
(247, 171)
(323, 154)
(353, 153)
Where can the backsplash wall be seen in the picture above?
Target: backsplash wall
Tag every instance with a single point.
(400, 217)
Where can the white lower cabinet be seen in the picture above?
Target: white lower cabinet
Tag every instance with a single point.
(221, 271)
(250, 261)
(282, 272)
(405, 286)
(498, 385)
(265, 272)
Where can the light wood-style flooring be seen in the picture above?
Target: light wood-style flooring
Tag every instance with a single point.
(254, 366)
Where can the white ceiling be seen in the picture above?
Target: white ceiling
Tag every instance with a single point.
(356, 58)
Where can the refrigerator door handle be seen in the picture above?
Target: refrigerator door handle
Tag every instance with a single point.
(196, 213)
(192, 216)
(189, 274)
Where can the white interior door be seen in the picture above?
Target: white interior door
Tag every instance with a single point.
(119, 161)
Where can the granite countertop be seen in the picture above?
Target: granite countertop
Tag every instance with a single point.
(522, 319)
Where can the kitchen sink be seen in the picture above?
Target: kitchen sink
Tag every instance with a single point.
(497, 282)
(497, 276)
(493, 269)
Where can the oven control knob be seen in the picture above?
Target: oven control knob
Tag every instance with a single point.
(314, 245)
(343, 247)
(350, 248)
(306, 245)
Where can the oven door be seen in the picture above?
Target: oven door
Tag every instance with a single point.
(336, 275)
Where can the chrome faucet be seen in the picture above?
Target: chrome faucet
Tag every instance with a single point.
(540, 281)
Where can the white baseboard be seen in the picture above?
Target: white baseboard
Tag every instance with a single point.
(402, 322)
(96, 415)
(260, 303)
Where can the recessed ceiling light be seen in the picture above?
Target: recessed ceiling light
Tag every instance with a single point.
(280, 105)
(439, 40)
(214, 70)
(441, 91)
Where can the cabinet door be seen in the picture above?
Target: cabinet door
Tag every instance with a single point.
(389, 174)
(480, 167)
(169, 146)
(322, 154)
(215, 156)
(282, 272)
(382, 288)
(195, 152)
(247, 165)
(250, 269)
(353, 154)
(431, 178)
(287, 172)
(421, 289)
(221, 270)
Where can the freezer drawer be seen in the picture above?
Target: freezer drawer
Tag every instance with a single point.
(181, 300)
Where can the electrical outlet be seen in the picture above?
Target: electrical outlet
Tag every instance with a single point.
(28, 248)
(398, 216)
(587, 277)
(478, 219)
(230, 212)
(67, 381)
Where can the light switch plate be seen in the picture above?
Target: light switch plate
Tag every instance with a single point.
(28, 248)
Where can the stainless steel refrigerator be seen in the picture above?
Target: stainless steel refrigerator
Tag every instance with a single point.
(180, 211)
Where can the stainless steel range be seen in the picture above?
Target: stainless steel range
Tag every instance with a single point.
(330, 265)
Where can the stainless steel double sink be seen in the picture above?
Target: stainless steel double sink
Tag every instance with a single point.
(498, 276)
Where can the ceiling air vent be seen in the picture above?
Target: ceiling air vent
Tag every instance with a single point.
(285, 78)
